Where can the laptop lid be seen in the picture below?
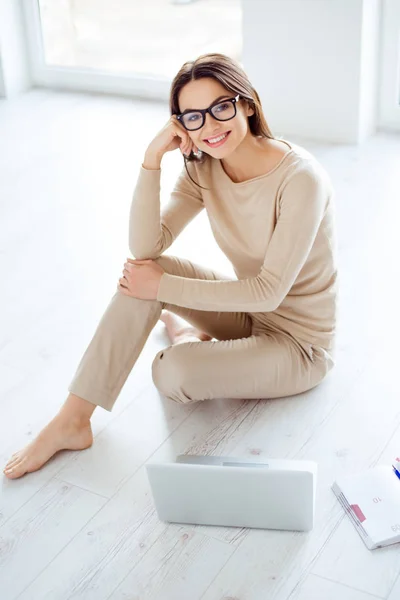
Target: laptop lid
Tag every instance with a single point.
(236, 492)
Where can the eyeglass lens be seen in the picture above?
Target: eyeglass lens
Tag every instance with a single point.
(222, 112)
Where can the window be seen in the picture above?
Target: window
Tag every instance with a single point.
(127, 43)
(390, 66)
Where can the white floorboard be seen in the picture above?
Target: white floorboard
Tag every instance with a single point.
(395, 593)
(85, 527)
(345, 557)
(40, 529)
(316, 588)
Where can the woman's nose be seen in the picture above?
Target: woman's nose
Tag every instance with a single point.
(211, 126)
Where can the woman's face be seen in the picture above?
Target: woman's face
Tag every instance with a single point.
(202, 93)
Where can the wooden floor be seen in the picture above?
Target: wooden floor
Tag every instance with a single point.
(85, 526)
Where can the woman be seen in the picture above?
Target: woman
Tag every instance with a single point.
(270, 332)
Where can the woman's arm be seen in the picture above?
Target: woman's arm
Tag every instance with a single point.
(303, 204)
(152, 230)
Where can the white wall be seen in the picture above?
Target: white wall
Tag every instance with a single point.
(2, 86)
(14, 72)
(313, 64)
(370, 63)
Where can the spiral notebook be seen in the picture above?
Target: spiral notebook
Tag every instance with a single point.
(372, 501)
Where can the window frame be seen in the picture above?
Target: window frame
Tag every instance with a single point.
(79, 78)
(389, 92)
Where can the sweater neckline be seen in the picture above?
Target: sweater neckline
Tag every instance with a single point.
(264, 175)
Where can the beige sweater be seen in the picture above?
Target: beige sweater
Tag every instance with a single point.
(277, 230)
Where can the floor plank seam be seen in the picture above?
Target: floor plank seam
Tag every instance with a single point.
(307, 570)
(350, 587)
(55, 478)
(61, 550)
(395, 431)
(26, 502)
(134, 567)
(337, 404)
(222, 567)
(393, 586)
(140, 466)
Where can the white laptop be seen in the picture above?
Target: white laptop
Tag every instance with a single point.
(235, 492)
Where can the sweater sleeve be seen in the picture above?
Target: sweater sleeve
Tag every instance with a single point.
(303, 203)
(152, 230)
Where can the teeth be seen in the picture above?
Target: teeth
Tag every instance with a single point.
(217, 139)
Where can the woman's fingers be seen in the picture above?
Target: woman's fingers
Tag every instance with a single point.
(184, 146)
(188, 147)
(127, 270)
(137, 261)
(185, 140)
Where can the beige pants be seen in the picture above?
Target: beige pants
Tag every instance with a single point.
(245, 360)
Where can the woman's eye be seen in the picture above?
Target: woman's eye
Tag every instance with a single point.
(193, 117)
(222, 107)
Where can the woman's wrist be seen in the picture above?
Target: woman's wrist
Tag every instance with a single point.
(152, 162)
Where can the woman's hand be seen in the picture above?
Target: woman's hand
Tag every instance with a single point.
(172, 136)
(141, 279)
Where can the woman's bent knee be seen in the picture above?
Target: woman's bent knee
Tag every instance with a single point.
(171, 375)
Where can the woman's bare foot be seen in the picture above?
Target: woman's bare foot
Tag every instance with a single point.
(67, 431)
(179, 331)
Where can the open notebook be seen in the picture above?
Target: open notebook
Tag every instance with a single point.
(372, 501)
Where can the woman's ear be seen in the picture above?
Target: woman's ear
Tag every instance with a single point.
(249, 110)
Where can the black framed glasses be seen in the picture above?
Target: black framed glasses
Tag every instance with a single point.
(223, 110)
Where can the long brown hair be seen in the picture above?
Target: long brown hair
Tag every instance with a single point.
(231, 75)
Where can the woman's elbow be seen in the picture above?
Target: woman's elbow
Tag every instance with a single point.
(142, 254)
(141, 249)
(266, 306)
(269, 297)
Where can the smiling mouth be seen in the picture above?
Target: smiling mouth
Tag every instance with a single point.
(217, 140)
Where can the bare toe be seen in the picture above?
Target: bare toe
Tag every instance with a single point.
(17, 470)
(57, 435)
(13, 466)
(11, 462)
